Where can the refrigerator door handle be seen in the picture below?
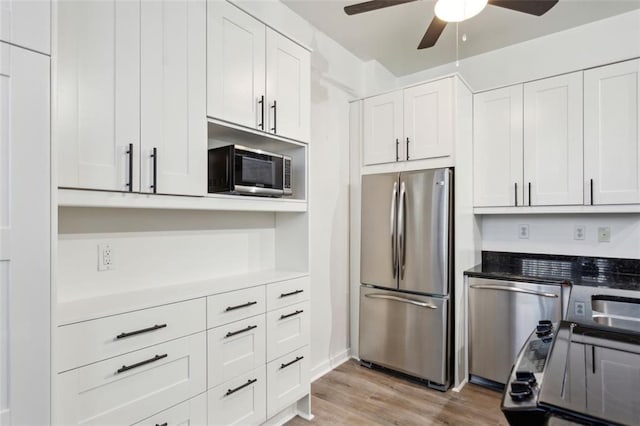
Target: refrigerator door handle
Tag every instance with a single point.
(401, 299)
(402, 238)
(512, 289)
(392, 220)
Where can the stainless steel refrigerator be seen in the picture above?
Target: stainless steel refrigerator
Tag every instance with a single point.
(405, 272)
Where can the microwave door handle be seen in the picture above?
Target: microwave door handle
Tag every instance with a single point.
(392, 221)
(402, 237)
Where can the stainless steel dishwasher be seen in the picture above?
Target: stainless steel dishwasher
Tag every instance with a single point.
(502, 314)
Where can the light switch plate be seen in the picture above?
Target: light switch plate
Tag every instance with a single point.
(604, 234)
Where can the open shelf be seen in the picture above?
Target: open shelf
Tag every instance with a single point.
(89, 198)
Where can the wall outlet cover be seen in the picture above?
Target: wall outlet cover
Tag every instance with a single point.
(579, 232)
(523, 231)
(105, 257)
(604, 234)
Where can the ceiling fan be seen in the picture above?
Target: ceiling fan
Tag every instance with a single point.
(455, 11)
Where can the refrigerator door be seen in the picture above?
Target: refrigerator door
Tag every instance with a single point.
(378, 241)
(424, 228)
(405, 332)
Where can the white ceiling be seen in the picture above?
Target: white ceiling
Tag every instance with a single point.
(391, 35)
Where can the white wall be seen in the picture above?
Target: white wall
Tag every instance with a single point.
(554, 234)
(609, 40)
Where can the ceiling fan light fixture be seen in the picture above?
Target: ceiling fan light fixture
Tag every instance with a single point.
(458, 10)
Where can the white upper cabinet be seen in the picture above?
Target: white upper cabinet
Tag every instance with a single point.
(611, 143)
(236, 65)
(173, 100)
(26, 23)
(383, 129)
(428, 120)
(256, 77)
(553, 160)
(98, 94)
(497, 148)
(288, 87)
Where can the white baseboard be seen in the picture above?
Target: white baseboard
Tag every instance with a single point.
(460, 386)
(328, 365)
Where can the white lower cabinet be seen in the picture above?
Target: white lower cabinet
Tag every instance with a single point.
(235, 349)
(128, 388)
(287, 329)
(240, 401)
(190, 413)
(235, 305)
(287, 293)
(287, 380)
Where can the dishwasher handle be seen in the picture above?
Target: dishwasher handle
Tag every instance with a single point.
(513, 289)
(401, 299)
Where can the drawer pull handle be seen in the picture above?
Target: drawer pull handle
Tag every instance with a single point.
(163, 424)
(298, 358)
(140, 364)
(244, 330)
(249, 383)
(291, 293)
(291, 314)
(244, 305)
(144, 330)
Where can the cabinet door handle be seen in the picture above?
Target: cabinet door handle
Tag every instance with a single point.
(154, 156)
(144, 330)
(298, 358)
(515, 193)
(140, 364)
(249, 383)
(591, 191)
(291, 314)
(291, 293)
(397, 146)
(407, 149)
(163, 424)
(130, 182)
(261, 102)
(244, 305)
(244, 330)
(275, 117)
(529, 193)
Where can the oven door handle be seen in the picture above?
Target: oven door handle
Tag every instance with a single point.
(513, 289)
(401, 299)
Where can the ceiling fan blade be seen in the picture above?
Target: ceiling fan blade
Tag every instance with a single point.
(368, 6)
(433, 33)
(532, 7)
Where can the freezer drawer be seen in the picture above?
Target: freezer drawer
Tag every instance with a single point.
(405, 332)
(502, 314)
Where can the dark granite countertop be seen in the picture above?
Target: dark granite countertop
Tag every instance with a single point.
(555, 269)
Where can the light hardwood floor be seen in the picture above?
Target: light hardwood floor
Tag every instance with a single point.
(355, 395)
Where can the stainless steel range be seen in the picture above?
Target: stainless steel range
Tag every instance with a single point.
(585, 369)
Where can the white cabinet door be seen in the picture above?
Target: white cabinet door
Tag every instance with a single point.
(98, 94)
(25, 237)
(240, 401)
(288, 87)
(382, 134)
(611, 142)
(190, 413)
(428, 120)
(26, 24)
(497, 148)
(553, 141)
(235, 66)
(287, 380)
(173, 100)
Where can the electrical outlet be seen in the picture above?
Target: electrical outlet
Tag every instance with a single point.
(523, 231)
(579, 232)
(604, 234)
(105, 257)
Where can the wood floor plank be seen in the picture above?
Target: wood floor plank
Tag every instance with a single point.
(355, 395)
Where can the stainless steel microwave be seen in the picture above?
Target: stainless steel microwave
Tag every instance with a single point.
(236, 169)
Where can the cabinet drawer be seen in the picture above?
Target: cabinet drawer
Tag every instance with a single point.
(191, 412)
(86, 342)
(131, 387)
(287, 293)
(287, 380)
(287, 329)
(235, 349)
(241, 401)
(235, 305)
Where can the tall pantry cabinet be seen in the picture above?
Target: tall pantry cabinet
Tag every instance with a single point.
(25, 214)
